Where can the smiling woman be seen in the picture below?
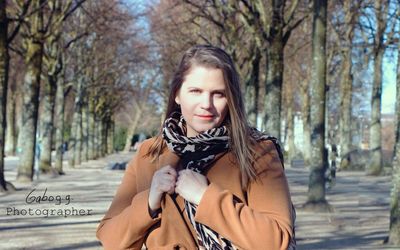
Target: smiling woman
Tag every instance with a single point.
(208, 180)
(202, 99)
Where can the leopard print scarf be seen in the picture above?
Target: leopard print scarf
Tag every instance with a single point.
(198, 153)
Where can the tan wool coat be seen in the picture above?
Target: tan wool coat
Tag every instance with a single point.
(258, 218)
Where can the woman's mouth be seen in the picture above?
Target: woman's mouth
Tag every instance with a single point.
(205, 117)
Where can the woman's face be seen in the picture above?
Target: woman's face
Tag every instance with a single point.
(202, 99)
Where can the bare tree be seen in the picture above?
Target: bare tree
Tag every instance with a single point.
(316, 186)
(4, 66)
(394, 229)
(273, 23)
(5, 40)
(344, 34)
(33, 60)
(57, 13)
(381, 39)
(140, 96)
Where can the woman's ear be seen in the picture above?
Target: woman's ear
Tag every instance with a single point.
(177, 100)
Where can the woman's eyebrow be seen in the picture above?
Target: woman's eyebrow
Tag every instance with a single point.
(219, 90)
(214, 90)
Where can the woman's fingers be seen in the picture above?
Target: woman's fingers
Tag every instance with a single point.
(169, 170)
(191, 185)
(163, 182)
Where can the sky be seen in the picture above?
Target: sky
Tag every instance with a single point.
(389, 84)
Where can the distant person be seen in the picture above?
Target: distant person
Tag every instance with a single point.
(139, 142)
(333, 163)
(208, 180)
(64, 147)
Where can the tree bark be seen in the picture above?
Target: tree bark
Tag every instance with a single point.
(78, 123)
(59, 128)
(31, 85)
(47, 122)
(4, 67)
(110, 136)
(346, 86)
(85, 128)
(345, 107)
(103, 137)
(290, 126)
(252, 89)
(394, 231)
(92, 129)
(316, 187)
(72, 141)
(97, 140)
(11, 133)
(273, 86)
(76, 128)
(374, 166)
(54, 68)
(305, 111)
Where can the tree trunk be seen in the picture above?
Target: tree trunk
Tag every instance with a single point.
(85, 129)
(105, 137)
(274, 79)
(54, 68)
(110, 136)
(345, 107)
(252, 90)
(11, 130)
(305, 113)
(78, 123)
(11, 136)
(72, 141)
(346, 87)
(290, 133)
(4, 67)
(76, 128)
(394, 232)
(97, 138)
(59, 122)
(374, 166)
(375, 159)
(273, 87)
(316, 187)
(31, 85)
(102, 138)
(92, 129)
(47, 117)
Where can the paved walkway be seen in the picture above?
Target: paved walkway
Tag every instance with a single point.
(82, 196)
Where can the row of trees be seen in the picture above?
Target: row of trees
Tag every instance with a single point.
(67, 69)
(89, 67)
(321, 60)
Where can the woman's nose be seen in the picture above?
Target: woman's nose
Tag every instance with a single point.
(206, 101)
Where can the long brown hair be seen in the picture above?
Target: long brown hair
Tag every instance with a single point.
(240, 143)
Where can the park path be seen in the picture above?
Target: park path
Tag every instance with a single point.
(359, 220)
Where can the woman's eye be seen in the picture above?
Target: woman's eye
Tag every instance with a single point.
(194, 91)
(219, 94)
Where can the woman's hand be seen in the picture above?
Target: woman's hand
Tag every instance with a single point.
(191, 185)
(163, 182)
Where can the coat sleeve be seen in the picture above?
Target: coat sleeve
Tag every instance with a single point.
(266, 221)
(127, 221)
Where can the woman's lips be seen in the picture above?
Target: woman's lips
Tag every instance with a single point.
(205, 117)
